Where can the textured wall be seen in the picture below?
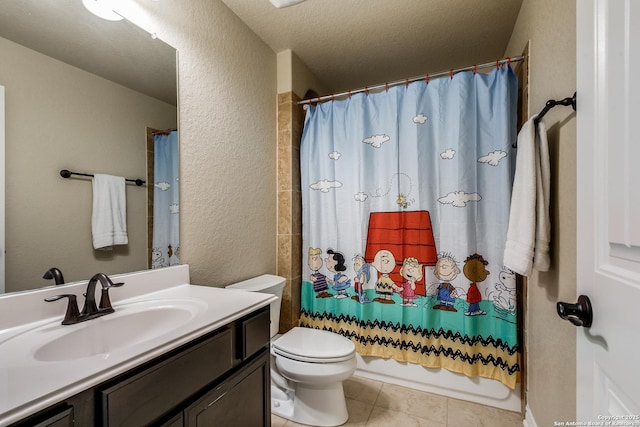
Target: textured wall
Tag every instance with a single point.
(227, 123)
(551, 342)
(60, 117)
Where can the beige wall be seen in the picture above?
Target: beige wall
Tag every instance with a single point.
(227, 97)
(294, 76)
(60, 117)
(551, 342)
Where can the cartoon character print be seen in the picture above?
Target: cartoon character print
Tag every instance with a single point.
(318, 279)
(504, 297)
(474, 270)
(173, 254)
(362, 277)
(157, 260)
(384, 262)
(411, 271)
(335, 264)
(446, 270)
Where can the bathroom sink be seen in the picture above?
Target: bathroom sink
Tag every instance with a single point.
(131, 324)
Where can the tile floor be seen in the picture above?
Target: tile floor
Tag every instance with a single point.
(376, 404)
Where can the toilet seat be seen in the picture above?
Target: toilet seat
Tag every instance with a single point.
(314, 346)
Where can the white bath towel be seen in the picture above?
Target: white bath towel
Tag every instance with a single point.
(109, 217)
(528, 236)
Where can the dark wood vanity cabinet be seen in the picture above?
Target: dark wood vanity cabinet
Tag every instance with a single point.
(220, 379)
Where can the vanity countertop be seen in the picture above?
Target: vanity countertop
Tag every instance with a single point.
(28, 384)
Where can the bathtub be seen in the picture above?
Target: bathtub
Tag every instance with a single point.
(440, 381)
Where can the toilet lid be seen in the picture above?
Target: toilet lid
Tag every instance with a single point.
(313, 345)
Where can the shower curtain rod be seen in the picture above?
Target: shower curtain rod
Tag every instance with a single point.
(164, 132)
(426, 77)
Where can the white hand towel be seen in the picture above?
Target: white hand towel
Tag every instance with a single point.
(109, 217)
(528, 235)
(541, 259)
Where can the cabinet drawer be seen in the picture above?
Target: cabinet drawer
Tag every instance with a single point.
(254, 333)
(149, 395)
(51, 418)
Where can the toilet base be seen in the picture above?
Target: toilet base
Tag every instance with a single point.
(317, 406)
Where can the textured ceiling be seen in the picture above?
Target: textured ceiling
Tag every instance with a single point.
(349, 44)
(118, 51)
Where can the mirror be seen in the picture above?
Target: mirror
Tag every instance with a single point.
(80, 93)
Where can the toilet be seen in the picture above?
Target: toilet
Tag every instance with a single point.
(308, 365)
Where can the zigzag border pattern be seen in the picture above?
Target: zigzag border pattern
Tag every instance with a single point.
(425, 333)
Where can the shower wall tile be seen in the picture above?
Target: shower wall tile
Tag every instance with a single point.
(284, 256)
(285, 219)
(295, 300)
(296, 253)
(295, 168)
(285, 310)
(285, 166)
(289, 256)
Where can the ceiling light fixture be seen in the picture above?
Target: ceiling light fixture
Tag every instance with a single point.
(103, 9)
(284, 3)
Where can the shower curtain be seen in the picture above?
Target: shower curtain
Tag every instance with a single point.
(166, 206)
(406, 197)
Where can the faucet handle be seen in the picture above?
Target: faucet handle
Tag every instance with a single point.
(72, 314)
(115, 285)
(105, 302)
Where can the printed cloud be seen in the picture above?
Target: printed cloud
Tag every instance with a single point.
(420, 119)
(174, 208)
(360, 197)
(164, 186)
(493, 158)
(459, 199)
(325, 185)
(448, 154)
(335, 155)
(376, 141)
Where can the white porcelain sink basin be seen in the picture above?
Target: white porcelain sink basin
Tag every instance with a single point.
(131, 324)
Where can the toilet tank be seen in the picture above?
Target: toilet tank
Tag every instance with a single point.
(268, 284)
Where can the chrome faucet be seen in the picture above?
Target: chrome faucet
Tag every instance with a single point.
(90, 310)
(54, 273)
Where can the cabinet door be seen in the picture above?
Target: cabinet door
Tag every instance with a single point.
(174, 422)
(150, 395)
(241, 401)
